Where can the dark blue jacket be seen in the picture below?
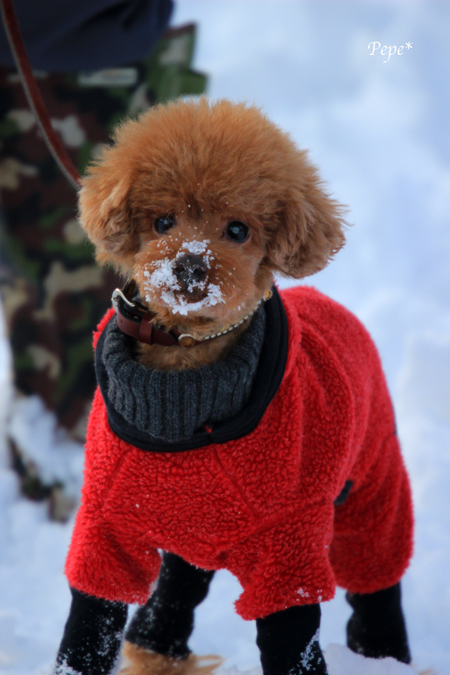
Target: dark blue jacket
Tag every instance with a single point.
(74, 35)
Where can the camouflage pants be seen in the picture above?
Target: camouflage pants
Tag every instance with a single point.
(52, 291)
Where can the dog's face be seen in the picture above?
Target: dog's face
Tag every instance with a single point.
(203, 266)
(201, 204)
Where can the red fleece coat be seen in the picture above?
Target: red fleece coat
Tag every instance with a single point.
(261, 506)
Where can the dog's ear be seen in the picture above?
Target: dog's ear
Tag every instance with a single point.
(105, 214)
(310, 231)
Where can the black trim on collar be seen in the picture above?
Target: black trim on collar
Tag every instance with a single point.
(268, 377)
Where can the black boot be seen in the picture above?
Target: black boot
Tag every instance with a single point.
(92, 635)
(165, 623)
(377, 626)
(289, 642)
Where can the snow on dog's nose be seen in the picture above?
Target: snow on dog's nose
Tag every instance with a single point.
(183, 280)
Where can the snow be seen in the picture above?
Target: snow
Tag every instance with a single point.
(55, 456)
(342, 661)
(380, 134)
(197, 247)
(160, 275)
(309, 654)
(64, 669)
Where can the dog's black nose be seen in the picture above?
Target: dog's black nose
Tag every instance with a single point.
(190, 268)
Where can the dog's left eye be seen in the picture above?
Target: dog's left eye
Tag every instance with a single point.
(164, 223)
(237, 231)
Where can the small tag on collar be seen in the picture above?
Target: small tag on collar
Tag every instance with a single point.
(186, 340)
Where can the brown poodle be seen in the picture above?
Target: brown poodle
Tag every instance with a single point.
(221, 180)
(199, 205)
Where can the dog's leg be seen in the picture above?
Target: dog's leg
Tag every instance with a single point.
(377, 626)
(165, 623)
(92, 636)
(289, 642)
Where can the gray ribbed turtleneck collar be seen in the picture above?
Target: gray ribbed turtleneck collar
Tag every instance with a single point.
(172, 405)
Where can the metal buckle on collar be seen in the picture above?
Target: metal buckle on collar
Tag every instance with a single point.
(119, 295)
(121, 300)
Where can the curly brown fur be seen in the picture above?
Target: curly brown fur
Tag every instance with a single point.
(208, 165)
(143, 662)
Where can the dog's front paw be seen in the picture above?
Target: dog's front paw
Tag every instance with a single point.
(144, 662)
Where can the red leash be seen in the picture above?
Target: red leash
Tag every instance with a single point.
(34, 95)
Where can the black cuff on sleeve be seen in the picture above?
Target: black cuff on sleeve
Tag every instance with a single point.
(166, 621)
(377, 627)
(92, 635)
(289, 642)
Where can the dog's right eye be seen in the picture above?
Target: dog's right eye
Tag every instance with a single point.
(164, 223)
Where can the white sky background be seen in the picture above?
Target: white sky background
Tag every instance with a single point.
(380, 134)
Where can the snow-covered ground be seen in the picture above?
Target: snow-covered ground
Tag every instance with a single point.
(379, 130)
